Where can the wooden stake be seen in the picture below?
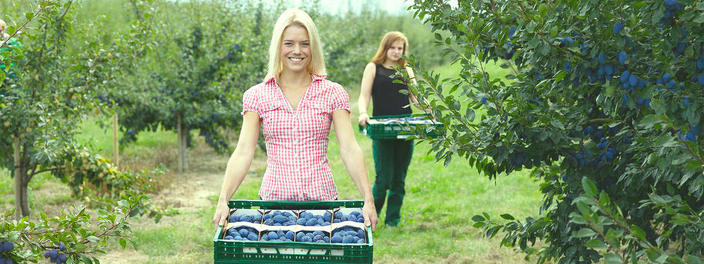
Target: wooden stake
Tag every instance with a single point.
(179, 130)
(18, 178)
(115, 141)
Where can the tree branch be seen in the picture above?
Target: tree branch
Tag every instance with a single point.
(24, 25)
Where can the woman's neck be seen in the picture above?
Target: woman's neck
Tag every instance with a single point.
(294, 80)
(390, 64)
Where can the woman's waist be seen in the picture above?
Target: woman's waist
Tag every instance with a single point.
(291, 165)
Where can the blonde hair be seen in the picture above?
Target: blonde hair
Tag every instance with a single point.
(386, 42)
(295, 17)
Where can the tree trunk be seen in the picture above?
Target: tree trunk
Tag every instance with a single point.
(21, 197)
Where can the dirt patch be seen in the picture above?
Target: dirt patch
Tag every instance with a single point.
(191, 190)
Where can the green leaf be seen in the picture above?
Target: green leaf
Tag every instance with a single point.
(584, 209)
(595, 244)
(680, 159)
(611, 258)
(584, 232)
(93, 239)
(649, 121)
(604, 199)
(29, 15)
(662, 258)
(559, 76)
(86, 259)
(478, 218)
(577, 219)
(589, 187)
(680, 219)
(507, 217)
(637, 232)
(470, 114)
(533, 43)
(123, 243)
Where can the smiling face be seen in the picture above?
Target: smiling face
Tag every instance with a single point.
(295, 51)
(394, 53)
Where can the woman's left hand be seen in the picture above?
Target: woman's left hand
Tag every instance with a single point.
(370, 217)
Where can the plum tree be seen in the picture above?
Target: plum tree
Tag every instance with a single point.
(610, 126)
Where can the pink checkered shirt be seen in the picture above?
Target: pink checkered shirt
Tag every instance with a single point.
(297, 140)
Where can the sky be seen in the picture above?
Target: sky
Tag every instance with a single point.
(394, 7)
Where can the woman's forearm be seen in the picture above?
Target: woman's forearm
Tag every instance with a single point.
(241, 158)
(353, 159)
(237, 168)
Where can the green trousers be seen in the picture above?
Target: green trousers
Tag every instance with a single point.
(391, 160)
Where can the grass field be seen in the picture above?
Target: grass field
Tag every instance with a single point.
(436, 216)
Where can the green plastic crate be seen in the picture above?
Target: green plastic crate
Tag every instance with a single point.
(229, 251)
(399, 129)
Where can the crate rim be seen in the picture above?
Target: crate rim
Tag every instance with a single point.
(292, 205)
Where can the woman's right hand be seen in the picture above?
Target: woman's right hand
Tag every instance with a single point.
(363, 118)
(221, 214)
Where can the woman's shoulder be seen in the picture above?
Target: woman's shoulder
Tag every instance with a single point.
(257, 89)
(328, 84)
(371, 68)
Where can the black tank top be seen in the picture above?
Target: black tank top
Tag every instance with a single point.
(386, 95)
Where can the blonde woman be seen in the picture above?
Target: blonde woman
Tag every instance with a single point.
(391, 157)
(295, 106)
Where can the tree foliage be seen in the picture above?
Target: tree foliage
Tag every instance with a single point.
(198, 71)
(48, 90)
(601, 95)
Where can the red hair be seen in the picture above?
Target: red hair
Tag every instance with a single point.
(386, 42)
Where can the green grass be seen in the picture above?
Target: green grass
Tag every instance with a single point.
(96, 133)
(168, 239)
(436, 216)
(493, 68)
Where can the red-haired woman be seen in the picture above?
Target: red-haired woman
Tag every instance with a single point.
(391, 157)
